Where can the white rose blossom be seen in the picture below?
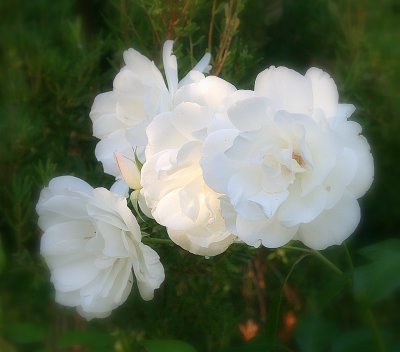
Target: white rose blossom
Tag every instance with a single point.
(172, 179)
(92, 245)
(288, 162)
(120, 117)
(264, 166)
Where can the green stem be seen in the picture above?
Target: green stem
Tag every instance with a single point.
(348, 256)
(374, 327)
(273, 328)
(319, 255)
(327, 262)
(152, 240)
(299, 249)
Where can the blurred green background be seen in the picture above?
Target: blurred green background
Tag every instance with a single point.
(56, 56)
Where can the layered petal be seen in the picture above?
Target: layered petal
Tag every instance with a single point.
(290, 91)
(287, 89)
(287, 161)
(172, 179)
(93, 246)
(333, 226)
(120, 117)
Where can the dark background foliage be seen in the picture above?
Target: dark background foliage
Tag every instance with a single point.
(56, 56)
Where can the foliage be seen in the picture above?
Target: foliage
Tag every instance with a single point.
(57, 56)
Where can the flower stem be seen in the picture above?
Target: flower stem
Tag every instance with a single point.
(273, 326)
(319, 255)
(374, 327)
(327, 262)
(348, 256)
(299, 249)
(152, 240)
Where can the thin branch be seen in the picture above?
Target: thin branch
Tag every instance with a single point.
(143, 6)
(210, 31)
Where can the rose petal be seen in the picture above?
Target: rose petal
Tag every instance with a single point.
(333, 226)
(325, 94)
(288, 89)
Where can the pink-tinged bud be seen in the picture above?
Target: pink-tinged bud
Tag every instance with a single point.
(128, 170)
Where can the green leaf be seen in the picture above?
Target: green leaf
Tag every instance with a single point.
(167, 346)
(94, 341)
(379, 279)
(381, 249)
(314, 334)
(6, 347)
(26, 333)
(274, 320)
(355, 340)
(258, 344)
(2, 258)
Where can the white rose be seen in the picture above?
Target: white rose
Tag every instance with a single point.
(172, 179)
(92, 245)
(121, 116)
(288, 162)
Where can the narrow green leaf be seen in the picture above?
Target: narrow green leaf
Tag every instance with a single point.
(2, 258)
(167, 346)
(378, 279)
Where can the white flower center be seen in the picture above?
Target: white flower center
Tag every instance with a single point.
(280, 164)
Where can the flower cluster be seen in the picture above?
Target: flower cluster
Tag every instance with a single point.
(213, 164)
